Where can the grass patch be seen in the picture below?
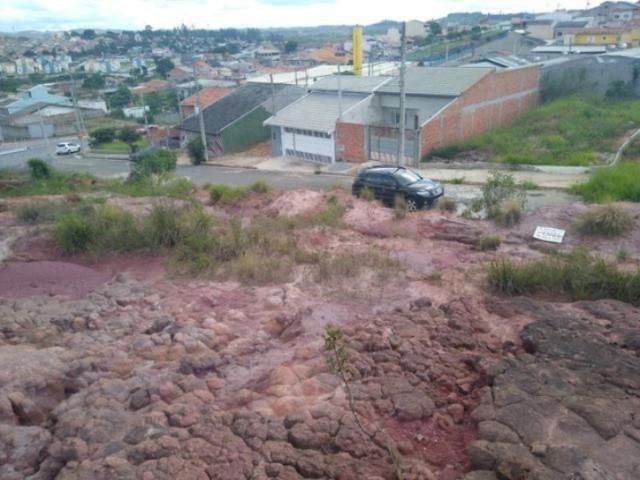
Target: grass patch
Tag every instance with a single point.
(606, 221)
(529, 185)
(118, 146)
(578, 276)
(568, 131)
(615, 184)
(351, 265)
(448, 204)
(489, 242)
(222, 194)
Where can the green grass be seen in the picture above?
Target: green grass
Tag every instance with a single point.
(612, 184)
(577, 276)
(605, 221)
(118, 146)
(222, 194)
(489, 242)
(18, 183)
(570, 131)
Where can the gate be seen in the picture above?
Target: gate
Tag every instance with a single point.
(383, 145)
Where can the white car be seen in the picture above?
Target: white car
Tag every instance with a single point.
(67, 148)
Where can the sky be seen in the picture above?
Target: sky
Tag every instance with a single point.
(18, 15)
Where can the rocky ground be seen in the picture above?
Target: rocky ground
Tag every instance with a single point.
(115, 368)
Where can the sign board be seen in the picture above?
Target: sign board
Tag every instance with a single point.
(552, 235)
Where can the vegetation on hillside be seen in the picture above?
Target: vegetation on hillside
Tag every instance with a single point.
(620, 183)
(570, 131)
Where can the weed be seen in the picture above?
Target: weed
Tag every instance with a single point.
(577, 275)
(400, 208)
(36, 212)
(529, 185)
(225, 194)
(39, 170)
(622, 256)
(448, 204)
(606, 221)
(456, 181)
(73, 234)
(508, 214)
(612, 184)
(252, 267)
(489, 242)
(260, 186)
(367, 194)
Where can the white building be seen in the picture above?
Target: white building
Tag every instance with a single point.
(416, 29)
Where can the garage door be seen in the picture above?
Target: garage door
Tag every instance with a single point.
(308, 145)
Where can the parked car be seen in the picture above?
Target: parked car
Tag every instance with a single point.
(67, 148)
(388, 182)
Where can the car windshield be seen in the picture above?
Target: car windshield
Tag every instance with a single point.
(61, 145)
(406, 177)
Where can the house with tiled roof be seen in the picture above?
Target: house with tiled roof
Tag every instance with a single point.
(208, 96)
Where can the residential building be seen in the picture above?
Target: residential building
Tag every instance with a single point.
(189, 106)
(27, 66)
(179, 74)
(8, 68)
(36, 95)
(443, 106)
(150, 86)
(306, 129)
(543, 29)
(612, 35)
(267, 56)
(613, 12)
(416, 29)
(235, 122)
(566, 31)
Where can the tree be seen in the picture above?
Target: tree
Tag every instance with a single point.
(130, 136)
(291, 46)
(121, 98)
(435, 28)
(103, 135)
(88, 34)
(196, 151)
(164, 66)
(93, 82)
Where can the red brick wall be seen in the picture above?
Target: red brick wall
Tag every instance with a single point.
(350, 142)
(496, 100)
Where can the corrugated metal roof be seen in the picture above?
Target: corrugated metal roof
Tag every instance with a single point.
(438, 81)
(349, 83)
(316, 111)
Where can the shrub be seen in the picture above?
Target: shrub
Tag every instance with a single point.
(448, 204)
(36, 212)
(489, 242)
(130, 136)
(529, 185)
(607, 221)
(225, 194)
(331, 216)
(157, 162)
(400, 208)
(73, 234)
(615, 184)
(457, 181)
(577, 275)
(103, 135)
(39, 170)
(367, 194)
(260, 186)
(196, 151)
(448, 152)
(262, 269)
(509, 213)
(623, 256)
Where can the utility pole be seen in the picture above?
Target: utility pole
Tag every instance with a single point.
(203, 135)
(273, 94)
(339, 111)
(74, 100)
(144, 112)
(403, 94)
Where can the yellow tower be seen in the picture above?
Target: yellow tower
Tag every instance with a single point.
(357, 51)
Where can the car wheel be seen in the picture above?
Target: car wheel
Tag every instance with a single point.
(412, 204)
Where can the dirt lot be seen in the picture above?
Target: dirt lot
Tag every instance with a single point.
(114, 367)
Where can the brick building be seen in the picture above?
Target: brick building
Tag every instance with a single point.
(443, 106)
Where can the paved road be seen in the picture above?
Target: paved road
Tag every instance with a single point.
(238, 177)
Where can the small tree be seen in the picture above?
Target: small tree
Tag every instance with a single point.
(103, 135)
(338, 361)
(39, 170)
(196, 151)
(157, 162)
(290, 46)
(130, 136)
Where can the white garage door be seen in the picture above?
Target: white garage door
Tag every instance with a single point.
(308, 145)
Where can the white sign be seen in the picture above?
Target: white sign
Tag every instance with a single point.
(546, 234)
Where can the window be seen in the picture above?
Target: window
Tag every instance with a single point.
(407, 177)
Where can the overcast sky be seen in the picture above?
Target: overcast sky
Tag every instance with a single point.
(16, 15)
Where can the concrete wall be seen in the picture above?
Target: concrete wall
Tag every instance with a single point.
(494, 101)
(589, 76)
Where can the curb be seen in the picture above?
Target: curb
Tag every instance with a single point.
(15, 150)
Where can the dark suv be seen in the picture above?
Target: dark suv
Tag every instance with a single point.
(387, 182)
